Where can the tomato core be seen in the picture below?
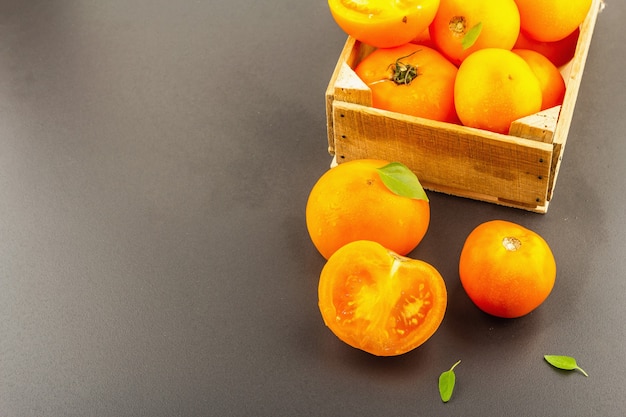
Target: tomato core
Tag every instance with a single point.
(457, 26)
(403, 73)
(511, 244)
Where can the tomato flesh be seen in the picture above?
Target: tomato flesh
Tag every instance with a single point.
(384, 23)
(380, 302)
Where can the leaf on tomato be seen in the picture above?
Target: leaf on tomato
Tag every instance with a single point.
(400, 180)
(471, 36)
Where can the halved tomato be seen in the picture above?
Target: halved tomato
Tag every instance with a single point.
(378, 301)
(383, 23)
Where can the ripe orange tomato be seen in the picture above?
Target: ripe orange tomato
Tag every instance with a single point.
(350, 202)
(493, 88)
(551, 20)
(496, 23)
(411, 79)
(506, 269)
(378, 301)
(383, 23)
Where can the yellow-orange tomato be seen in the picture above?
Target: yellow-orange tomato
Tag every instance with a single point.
(493, 24)
(378, 301)
(350, 202)
(383, 23)
(559, 52)
(551, 20)
(507, 270)
(411, 79)
(550, 79)
(493, 88)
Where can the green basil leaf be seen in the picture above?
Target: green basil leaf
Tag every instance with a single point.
(446, 383)
(472, 35)
(564, 362)
(400, 180)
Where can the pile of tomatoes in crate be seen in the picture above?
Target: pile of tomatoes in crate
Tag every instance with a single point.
(479, 63)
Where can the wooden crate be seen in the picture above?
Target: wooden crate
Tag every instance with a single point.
(516, 170)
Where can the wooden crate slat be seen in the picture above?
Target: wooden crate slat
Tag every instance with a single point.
(461, 159)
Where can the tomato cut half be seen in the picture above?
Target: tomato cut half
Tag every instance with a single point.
(384, 23)
(378, 301)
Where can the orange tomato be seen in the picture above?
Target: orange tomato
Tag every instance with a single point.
(350, 202)
(493, 88)
(506, 269)
(559, 52)
(378, 301)
(383, 23)
(551, 20)
(411, 79)
(499, 24)
(550, 79)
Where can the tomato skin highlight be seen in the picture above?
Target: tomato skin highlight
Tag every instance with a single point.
(380, 302)
(383, 23)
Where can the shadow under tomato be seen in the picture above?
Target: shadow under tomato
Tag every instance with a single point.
(366, 365)
(470, 327)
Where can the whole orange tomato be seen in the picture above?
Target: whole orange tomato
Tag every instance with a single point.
(352, 202)
(378, 301)
(552, 20)
(383, 23)
(507, 270)
(494, 87)
(463, 27)
(411, 79)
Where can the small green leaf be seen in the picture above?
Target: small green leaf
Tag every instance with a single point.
(446, 383)
(564, 362)
(472, 35)
(402, 181)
